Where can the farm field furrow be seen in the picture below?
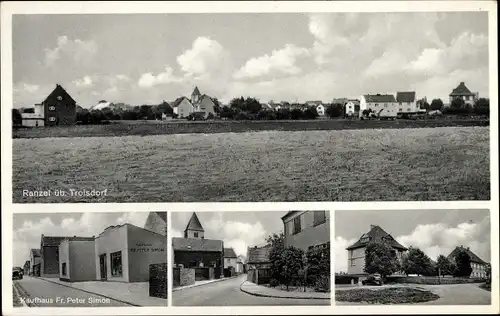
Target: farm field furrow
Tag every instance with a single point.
(444, 163)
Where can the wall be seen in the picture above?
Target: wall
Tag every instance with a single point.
(207, 106)
(190, 234)
(230, 262)
(309, 235)
(406, 107)
(184, 108)
(64, 257)
(144, 248)
(50, 262)
(82, 264)
(65, 111)
(356, 261)
(430, 280)
(478, 270)
(112, 240)
(183, 276)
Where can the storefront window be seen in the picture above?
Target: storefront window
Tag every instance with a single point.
(116, 263)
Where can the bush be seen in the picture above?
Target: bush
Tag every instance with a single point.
(283, 114)
(397, 295)
(322, 284)
(242, 116)
(310, 113)
(296, 114)
(335, 110)
(210, 116)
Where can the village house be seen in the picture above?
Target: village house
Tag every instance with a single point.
(240, 264)
(383, 105)
(356, 252)
(230, 258)
(198, 104)
(478, 265)
(407, 102)
(26, 267)
(125, 252)
(351, 108)
(194, 251)
(258, 264)
(59, 108)
(307, 229)
(49, 254)
(462, 92)
(77, 260)
(35, 119)
(34, 262)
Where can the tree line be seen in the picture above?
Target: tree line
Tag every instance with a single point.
(458, 106)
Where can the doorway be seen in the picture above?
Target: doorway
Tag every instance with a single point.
(103, 267)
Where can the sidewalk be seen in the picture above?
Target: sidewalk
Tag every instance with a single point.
(258, 290)
(134, 293)
(199, 283)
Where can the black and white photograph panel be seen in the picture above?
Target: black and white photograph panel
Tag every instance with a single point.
(251, 258)
(421, 257)
(90, 259)
(353, 106)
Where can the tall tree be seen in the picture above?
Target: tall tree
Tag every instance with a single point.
(292, 259)
(457, 103)
(437, 104)
(381, 258)
(416, 262)
(445, 266)
(462, 260)
(482, 106)
(277, 244)
(17, 119)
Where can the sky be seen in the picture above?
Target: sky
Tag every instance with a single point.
(28, 228)
(147, 58)
(433, 231)
(238, 230)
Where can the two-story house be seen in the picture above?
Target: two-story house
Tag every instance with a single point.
(307, 229)
(478, 265)
(383, 105)
(407, 102)
(356, 252)
(34, 262)
(462, 92)
(230, 258)
(49, 254)
(59, 108)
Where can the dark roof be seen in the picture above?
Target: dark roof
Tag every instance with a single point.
(405, 96)
(461, 90)
(340, 101)
(59, 90)
(36, 252)
(162, 215)
(196, 91)
(229, 253)
(56, 240)
(288, 214)
(194, 223)
(473, 257)
(178, 101)
(376, 234)
(382, 98)
(196, 244)
(258, 254)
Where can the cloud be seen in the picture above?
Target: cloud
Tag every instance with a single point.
(441, 239)
(76, 50)
(340, 252)
(280, 61)
(149, 80)
(83, 82)
(134, 218)
(206, 58)
(26, 87)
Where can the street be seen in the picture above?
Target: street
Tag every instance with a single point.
(227, 293)
(37, 292)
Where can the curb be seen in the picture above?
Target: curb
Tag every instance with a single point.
(89, 292)
(21, 292)
(283, 296)
(196, 285)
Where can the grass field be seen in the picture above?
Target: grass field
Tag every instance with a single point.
(450, 163)
(144, 128)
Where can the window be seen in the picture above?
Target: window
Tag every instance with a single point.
(195, 234)
(319, 217)
(385, 105)
(64, 268)
(52, 119)
(52, 108)
(59, 98)
(400, 110)
(116, 264)
(408, 109)
(228, 260)
(297, 225)
(376, 104)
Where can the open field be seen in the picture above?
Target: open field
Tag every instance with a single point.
(143, 128)
(450, 163)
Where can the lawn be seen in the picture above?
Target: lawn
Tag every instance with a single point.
(446, 163)
(398, 295)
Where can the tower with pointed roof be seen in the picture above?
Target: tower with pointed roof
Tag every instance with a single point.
(194, 228)
(195, 96)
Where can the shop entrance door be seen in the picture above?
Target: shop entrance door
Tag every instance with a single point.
(103, 266)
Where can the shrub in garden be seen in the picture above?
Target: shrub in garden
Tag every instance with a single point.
(274, 282)
(322, 283)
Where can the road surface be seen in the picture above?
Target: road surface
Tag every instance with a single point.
(37, 292)
(228, 293)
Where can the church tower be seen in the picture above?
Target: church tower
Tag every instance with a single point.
(195, 96)
(194, 228)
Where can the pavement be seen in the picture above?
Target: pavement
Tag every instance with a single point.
(198, 283)
(449, 294)
(228, 293)
(36, 292)
(259, 290)
(133, 293)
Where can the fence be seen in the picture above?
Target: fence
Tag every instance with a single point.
(158, 280)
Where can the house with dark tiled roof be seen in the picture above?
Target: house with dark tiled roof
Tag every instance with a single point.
(383, 105)
(34, 262)
(258, 264)
(356, 252)
(478, 265)
(196, 252)
(407, 102)
(462, 92)
(230, 258)
(59, 108)
(351, 108)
